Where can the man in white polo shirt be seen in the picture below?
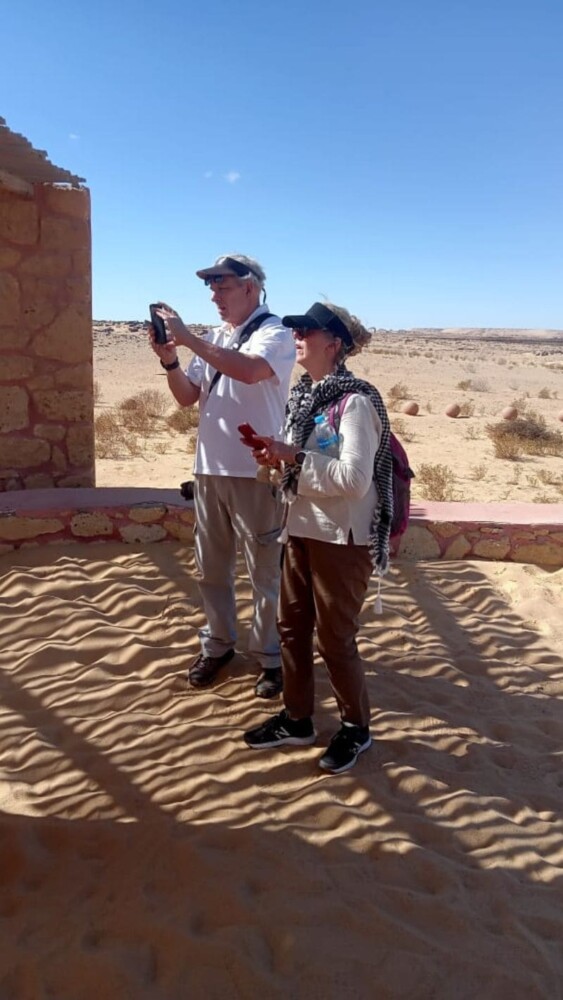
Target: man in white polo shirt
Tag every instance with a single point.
(239, 374)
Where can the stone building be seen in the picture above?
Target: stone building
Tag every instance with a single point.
(46, 380)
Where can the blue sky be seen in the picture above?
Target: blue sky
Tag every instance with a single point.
(402, 158)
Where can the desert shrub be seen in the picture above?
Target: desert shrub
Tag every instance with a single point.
(472, 434)
(112, 438)
(436, 482)
(399, 391)
(97, 392)
(428, 407)
(544, 394)
(399, 427)
(464, 384)
(478, 472)
(550, 478)
(525, 436)
(480, 385)
(467, 409)
(185, 418)
(139, 413)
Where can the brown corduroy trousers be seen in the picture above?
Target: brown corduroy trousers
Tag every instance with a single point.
(323, 585)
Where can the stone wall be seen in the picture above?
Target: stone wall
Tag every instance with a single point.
(46, 380)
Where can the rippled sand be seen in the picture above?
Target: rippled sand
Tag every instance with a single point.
(146, 853)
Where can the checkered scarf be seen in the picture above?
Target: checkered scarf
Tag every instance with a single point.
(305, 402)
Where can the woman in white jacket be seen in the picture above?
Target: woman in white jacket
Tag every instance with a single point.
(336, 481)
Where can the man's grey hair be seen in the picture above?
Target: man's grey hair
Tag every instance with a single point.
(257, 273)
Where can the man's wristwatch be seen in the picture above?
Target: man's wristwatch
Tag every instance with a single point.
(171, 366)
(300, 458)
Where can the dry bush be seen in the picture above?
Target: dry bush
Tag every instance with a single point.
(467, 409)
(140, 413)
(97, 392)
(399, 427)
(428, 407)
(112, 439)
(525, 436)
(478, 472)
(399, 391)
(544, 394)
(472, 434)
(464, 384)
(185, 418)
(437, 482)
(548, 478)
(501, 361)
(480, 385)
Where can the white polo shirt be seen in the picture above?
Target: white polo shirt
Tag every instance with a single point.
(219, 450)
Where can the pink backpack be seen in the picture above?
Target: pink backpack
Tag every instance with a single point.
(402, 472)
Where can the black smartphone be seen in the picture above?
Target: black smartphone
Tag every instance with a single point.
(158, 324)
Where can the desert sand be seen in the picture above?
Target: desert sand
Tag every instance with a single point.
(145, 852)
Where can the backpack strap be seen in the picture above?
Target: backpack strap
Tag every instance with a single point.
(245, 334)
(336, 410)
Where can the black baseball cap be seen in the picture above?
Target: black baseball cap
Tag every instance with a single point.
(320, 317)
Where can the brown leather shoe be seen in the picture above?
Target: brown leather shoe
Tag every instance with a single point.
(269, 684)
(205, 669)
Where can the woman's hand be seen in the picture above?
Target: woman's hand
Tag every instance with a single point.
(175, 327)
(274, 453)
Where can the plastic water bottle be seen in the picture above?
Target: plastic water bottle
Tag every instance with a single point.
(325, 434)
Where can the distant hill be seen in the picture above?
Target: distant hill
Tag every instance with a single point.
(484, 333)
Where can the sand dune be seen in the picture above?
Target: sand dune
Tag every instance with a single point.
(146, 852)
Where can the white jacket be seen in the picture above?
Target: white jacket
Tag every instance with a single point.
(336, 496)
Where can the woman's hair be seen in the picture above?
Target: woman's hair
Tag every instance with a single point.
(357, 331)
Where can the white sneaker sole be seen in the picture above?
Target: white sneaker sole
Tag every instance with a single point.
(289, 741)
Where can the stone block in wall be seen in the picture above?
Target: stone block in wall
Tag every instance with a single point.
(75, 376)
(19, 220)
(74, 202)
(418, 543)
(14, 529)
(68, 338)
(89, 524)
(50, 432)
(41, 382)
(183, 532)
(546, 553)
(9, 258)
(147, 515)
(10, 335)
(23, 453)
(40, 300)
(39, 481)
(47, 265)
(58, 460)
(458, 549)
(14, 408)
(80, 445)
(78, 288)
(492, 548)
(73, 406)
(446, 529)
(77, 481)
(15, 367)
(142, 533)
(9, 299)
(64, 233)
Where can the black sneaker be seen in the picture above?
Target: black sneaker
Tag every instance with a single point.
(279, 731)
(344, 748)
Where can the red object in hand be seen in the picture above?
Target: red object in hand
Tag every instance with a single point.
(250, 437)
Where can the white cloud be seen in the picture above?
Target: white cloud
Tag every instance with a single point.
(232, 177)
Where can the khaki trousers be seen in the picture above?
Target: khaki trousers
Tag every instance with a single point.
(231, 509)
(323, 585)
